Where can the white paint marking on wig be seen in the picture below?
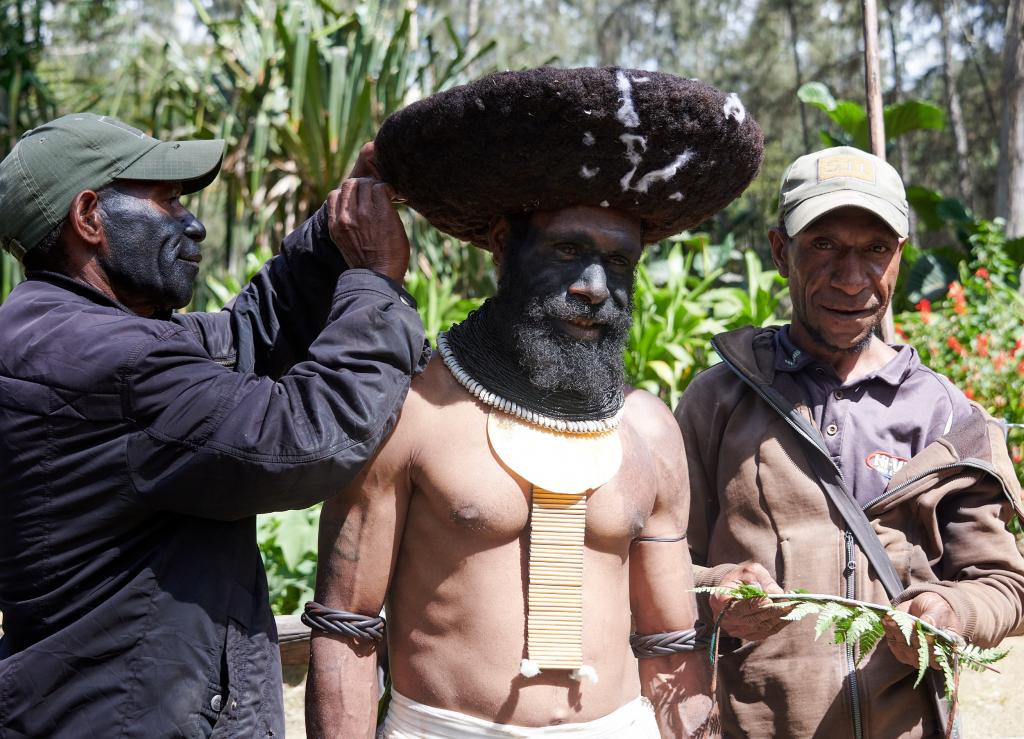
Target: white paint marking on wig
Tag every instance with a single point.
(588, 138)
(604, 203)
(588, 173)
(665, 173)
(634, 156)
(641, 79)
(733, 108)
(627, 113)
(677, 196)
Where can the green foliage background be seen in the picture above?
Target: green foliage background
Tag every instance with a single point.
(295, 88)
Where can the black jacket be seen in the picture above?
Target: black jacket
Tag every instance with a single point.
(134, 456)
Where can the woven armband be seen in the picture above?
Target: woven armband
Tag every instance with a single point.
(662, 539)
(669, 642)
(342, 623)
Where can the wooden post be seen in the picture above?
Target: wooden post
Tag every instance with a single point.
(876, 120)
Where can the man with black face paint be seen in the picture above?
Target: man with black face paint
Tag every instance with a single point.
(138, 445)
(820, 457)
(527, 509)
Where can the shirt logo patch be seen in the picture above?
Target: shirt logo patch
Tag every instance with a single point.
(885, 464)
(846, 165)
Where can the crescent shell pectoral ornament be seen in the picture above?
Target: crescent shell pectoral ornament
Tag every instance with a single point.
(552, 460)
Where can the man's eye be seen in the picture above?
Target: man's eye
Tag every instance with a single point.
(822, 244)
(619, 261)
(568, 250)
(880, 248)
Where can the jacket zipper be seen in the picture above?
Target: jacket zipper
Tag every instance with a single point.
(850, 567)
(850, 574)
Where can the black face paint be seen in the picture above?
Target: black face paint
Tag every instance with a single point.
(153, 253)
(533, 299)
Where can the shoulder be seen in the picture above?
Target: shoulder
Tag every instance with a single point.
(949, 404)
(708, 392)
(656, 430)
(70, 342)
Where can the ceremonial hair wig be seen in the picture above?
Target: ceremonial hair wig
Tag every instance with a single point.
(672, 151)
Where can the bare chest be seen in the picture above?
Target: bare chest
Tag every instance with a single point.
(462, 485)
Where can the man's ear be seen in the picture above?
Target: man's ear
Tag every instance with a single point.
(85, 218)
(780, 242)
(498, 236)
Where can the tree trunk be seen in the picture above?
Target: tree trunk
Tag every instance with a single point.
(1010, 182)
(902, 153)
(793, 40)
(965, 184)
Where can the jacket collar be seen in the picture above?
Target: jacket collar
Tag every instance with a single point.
(88, 292)
(977, 441)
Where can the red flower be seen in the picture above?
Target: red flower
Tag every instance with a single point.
(1020, 368)
(1018, 345)
(998, 361)
(981, 343)
(982, 273)
(900, 332)
(969, 392)
(956, 291)
(925, 307)
(956, 346)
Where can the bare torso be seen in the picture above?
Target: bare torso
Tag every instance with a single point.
(456, 604)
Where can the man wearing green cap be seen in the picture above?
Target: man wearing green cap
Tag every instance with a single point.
(820, 457)
(139, 444)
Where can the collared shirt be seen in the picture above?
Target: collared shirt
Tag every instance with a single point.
(873, 425)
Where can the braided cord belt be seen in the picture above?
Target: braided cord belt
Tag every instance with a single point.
(669, 642)
(353, 625)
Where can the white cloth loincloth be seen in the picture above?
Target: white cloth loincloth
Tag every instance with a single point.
(408, 719)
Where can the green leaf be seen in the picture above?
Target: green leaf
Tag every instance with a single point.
(925, 203)
(905, 621)
(803, 609)
(853, 119)
(863, 623)
(816, 94)
(828, 616)
(943, 659)
(929, 278)
(922, 654)
(869, 641)
(912, 115)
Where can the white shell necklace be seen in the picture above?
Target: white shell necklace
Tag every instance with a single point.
(598, 426)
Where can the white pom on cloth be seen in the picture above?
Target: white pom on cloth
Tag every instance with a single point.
(586, 672)
(529, 668)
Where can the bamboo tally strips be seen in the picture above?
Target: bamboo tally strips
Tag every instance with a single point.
(554, 604)
(562, 469)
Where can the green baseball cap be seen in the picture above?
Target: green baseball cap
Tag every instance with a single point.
(51, 164)
(839, 177)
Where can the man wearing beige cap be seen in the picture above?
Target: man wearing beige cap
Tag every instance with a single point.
(819, 457)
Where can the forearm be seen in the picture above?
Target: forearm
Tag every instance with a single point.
(341, 689)
(679, 688)
(283, 308)
(224, 444)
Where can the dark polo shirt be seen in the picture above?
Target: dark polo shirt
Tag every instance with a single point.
(875, 424)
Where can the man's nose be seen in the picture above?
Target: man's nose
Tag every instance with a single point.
(591, 285)
(194, 229)
(850, 275)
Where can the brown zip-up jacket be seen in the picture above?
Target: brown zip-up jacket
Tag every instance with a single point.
(754, 497)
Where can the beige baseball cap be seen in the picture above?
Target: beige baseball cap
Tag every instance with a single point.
(839, 177)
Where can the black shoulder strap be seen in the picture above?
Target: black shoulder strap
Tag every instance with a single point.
(831, 481)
